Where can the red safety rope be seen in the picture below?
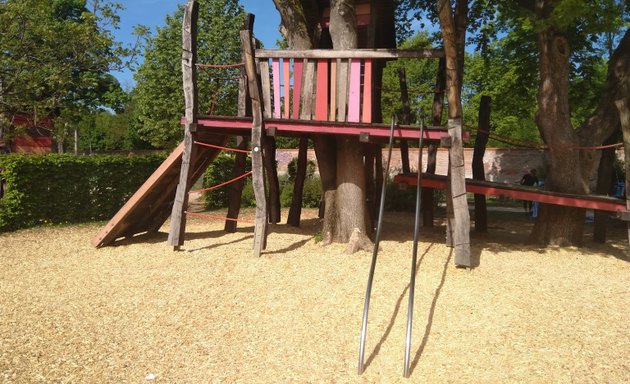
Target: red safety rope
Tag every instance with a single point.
(223, 148)
(221, 65)
(222, 184)
(218, 217)
(530, 144)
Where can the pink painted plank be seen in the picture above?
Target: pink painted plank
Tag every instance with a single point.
(297, 87)
(333, 90)
(287, 86)
(354, 98)
(367, 92)
(321, 96)
(275, 68)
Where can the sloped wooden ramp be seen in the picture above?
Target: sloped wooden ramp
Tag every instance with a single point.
(151, 205)
(597, 202)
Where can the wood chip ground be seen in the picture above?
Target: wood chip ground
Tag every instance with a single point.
(212, 313)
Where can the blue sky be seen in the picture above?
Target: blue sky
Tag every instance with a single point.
(152, 13)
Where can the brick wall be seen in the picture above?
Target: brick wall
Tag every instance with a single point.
(504, 165)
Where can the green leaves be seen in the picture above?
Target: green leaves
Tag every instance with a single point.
(159, 96)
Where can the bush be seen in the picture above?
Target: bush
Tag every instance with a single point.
(68, 189)
(219, 172)
(292, 169)
(310, 198)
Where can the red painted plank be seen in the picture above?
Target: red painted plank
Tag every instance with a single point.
(592, 202)
(354, 97)
(321, 96)
(243, 126)
(275, 66)
(297, 87)
(367, 92)
(287, 86)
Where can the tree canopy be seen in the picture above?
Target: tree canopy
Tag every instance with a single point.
(55, 57)
(158, 97)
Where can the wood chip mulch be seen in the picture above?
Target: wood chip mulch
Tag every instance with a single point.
(212, 313)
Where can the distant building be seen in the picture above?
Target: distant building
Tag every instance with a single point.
(37, 138)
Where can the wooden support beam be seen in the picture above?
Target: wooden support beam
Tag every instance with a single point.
(404, 119)
(298, 188)
(189, 74)
(461, 229)
(481, 211)
(350, 54)
(258, 177)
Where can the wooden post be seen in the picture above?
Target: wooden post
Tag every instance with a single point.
(405, 119)
(623, 106)
(481, 212)
(604, 179)
(436, 119)
(235, 192)
(273, 183)
(189, 74)
(298, 187)
(258, 176)
(457, 182)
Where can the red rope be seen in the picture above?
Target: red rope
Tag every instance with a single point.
(219, 217)
(538, 146)
(222, 184)
(226, 78)
(223, 148)
(221, 65)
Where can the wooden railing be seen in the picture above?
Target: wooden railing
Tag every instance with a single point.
(323, 85)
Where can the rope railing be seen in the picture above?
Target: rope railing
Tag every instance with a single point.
(222, 184)
(530, 144)
(209, 66)
(222, 148)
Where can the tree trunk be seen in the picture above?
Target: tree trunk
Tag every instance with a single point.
(458, 224)
(350, 214)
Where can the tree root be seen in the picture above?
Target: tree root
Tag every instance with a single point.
(359, 242)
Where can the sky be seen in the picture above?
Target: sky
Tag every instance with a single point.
(152, 13)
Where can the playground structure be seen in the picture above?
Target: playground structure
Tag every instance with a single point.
(296, 93)
(281, 93)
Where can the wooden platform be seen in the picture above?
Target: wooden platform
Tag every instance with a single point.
(597, 202)
(287, 127)
(151, 205)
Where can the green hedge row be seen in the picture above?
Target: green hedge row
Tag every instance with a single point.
(68, 189)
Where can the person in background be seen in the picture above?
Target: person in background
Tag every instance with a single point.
(531, 180)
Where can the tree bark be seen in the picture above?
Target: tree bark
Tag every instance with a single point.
(453, 26)
(481, 212)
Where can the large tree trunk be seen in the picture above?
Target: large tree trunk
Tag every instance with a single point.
(350, 214)
(570, 166)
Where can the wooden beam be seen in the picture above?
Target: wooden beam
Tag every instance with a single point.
(479, 173)
(189, 74)
(350, 54)
(515, 191)
(289, 127)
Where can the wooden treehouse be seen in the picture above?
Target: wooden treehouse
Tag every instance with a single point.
(282, 93)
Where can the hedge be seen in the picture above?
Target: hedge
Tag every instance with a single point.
(57, 188)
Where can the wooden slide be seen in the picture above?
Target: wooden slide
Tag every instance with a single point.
(151, 205)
